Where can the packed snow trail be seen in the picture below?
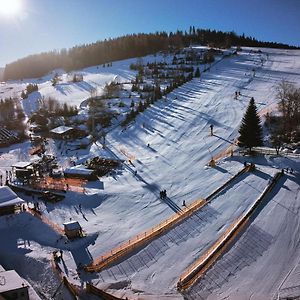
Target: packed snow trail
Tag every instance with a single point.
(204, 263)
(260, 265)
(180, 147)
(177, 131)
(135, 243)
(150, 265)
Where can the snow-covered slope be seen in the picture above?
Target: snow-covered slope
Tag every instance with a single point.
(180, 146)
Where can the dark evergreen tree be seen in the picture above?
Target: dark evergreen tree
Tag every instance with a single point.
(197, 73)
(251, 130)
(134, 45)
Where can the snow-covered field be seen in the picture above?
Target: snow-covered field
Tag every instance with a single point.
(180, 146)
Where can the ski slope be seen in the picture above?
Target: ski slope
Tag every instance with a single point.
(180, 146)
(269, 248)
(160, 262)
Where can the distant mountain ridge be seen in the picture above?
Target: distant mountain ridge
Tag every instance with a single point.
(124, 47)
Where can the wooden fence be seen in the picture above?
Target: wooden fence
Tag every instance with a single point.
(201, 265)
(98, 292)
(142, 239)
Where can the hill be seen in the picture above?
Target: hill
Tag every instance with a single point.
(167, 147)
(124, 47)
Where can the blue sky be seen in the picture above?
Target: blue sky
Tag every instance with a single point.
(44, 25)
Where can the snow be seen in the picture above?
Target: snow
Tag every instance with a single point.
(80, 169)
(22, 164)
(8, 197)
(11, 281)
(268, 248)
(127, 203)
(61, 129)
(72, 225)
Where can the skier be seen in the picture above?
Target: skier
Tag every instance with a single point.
(183, 203)
(211, 129)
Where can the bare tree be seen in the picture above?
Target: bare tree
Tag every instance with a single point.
(289, 105)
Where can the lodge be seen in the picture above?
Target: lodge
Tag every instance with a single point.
(72, 229)
(9, 201)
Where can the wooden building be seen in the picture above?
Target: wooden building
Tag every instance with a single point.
(9, 201)
(73, 229)
(13, 286)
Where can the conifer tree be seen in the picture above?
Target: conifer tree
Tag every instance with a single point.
(197, 73)
(251, 130)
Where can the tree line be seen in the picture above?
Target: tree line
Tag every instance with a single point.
(128, 46)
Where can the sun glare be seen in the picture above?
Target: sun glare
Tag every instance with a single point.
(10, 7)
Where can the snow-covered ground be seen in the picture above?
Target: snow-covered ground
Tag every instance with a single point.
(180, 146)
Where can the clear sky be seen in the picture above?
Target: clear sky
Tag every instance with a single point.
(41, 25)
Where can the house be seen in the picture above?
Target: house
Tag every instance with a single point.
(12, 286)
(72, 229)
(62, 132)
(66, 132)
(22, 170)
(81, 172)
(9, 201)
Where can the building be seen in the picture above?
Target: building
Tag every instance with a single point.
(22, 170)
(80, 172)
(66, 132)
(72, 229)
(9, 201)
(62, 132)
(12, 286)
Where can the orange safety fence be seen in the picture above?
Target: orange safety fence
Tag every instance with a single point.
(98, 292)
(141, 239)
(61, 184)
(103, 261)
(227, 152)
(127, 154)
(45, 220)
(201, 265)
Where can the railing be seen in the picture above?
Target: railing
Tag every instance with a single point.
(200, 266)
(141, 239)
(45, 220)
(98, 292)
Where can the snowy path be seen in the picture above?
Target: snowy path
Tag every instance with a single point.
(269, 248)
(178, 133)
(194, 235)
(180, 147)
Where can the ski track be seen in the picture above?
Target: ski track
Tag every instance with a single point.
(180, 146)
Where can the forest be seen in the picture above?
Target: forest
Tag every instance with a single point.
(128, 46)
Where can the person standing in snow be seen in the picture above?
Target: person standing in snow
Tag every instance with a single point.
(211, 129)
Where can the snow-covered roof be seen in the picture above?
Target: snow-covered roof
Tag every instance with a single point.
(61, 129)
(10, 280)
(82, 127)
(22, 164)
(8, 197)
(73, 225)
(80, 170)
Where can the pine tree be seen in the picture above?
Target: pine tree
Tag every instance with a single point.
(197, 73)
(251, 130)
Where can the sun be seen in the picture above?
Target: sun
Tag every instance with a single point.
(10, 7)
